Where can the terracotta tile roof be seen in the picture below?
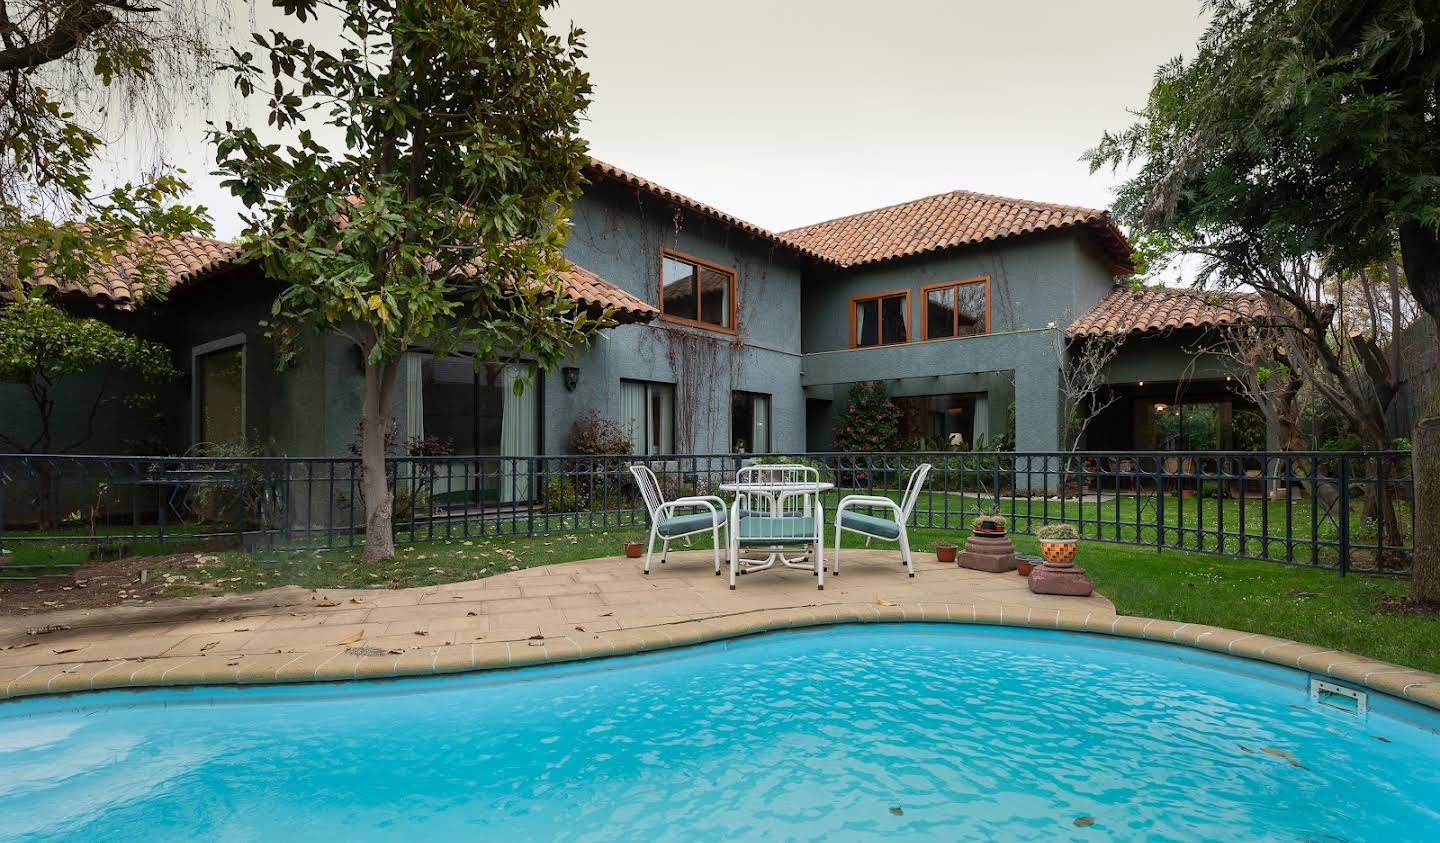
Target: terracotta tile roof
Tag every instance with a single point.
(178, 259)
(190, 258)
(948, 220)
(590, 289)
(599, 171)
(1157, 310)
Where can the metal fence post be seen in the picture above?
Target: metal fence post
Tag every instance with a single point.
(1343, 501)
(1159, 505)
(530, 510)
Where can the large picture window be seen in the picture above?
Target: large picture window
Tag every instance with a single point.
(750, 423)
(881, 319)
(957, 309)
(647, 413)
(697, 292)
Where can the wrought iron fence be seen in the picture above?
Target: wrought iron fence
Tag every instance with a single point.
(1346, 511)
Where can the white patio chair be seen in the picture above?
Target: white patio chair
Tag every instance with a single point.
(875, 527)
(772, 473)
(667, 523)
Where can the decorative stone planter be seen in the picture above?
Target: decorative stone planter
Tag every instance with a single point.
(994, 554)
(945, 553)
(634, 549)
(1065, 580)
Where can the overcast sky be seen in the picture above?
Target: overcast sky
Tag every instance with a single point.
(788, 112)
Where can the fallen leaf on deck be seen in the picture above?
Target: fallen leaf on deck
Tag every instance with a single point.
(66, 650)
(327, 604)
(352, 638)
(885, 601)
(209, 646)
(536, 637)
(471, 614)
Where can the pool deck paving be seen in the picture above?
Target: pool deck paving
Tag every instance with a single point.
(593, 608)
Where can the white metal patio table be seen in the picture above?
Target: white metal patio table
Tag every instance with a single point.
(795, 517)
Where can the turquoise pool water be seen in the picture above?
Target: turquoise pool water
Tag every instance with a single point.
(945, 733)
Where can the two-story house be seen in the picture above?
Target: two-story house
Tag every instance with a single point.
(733, 337)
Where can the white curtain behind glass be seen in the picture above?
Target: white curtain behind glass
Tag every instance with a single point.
(760, 425)
(517, 436)
(632, 414)
(981, 436)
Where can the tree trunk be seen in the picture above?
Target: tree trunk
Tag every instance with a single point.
(1425, 574)
(375, 416)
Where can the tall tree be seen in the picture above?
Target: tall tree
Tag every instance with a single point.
(1301, 131)
(439, 223)
(62, 64)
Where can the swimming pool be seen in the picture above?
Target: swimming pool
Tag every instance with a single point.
(838, 733)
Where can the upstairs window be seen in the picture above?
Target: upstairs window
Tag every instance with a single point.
(881, 319)
(696, 292)
(957, 309)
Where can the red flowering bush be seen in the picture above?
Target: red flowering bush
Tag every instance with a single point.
(870, 421)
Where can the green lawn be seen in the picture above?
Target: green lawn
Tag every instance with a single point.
(1317, 607)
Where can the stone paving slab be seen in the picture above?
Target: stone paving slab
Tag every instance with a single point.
(587, 609)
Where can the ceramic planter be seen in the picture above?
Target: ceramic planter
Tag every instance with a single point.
(1025, 564)
(1059, 552)
(945, 553)
(634, 549)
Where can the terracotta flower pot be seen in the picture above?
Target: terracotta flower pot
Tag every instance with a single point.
(634, 549)
(1025, 564)
(1059, 552)
(945, 553)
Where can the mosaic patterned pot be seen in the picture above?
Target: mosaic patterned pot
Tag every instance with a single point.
(1059, 552)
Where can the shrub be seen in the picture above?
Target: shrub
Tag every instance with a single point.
(594, 435)
(869, 422)
(1057, 533)
(560, 495)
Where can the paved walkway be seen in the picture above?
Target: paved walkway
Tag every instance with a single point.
(597, 607)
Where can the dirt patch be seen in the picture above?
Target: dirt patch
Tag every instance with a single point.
(1405, 606)
(132, 581)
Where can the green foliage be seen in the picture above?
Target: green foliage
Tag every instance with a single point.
(41, 344)
(560, 495)
(1299, 128)
(54, 220)
(440, 221)
(870, 421)
(1057, 533)
(40, 341)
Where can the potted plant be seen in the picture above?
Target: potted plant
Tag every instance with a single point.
(634, 549)
(1025, 564)
(989, 524)
(945, 552)
(1058, 543)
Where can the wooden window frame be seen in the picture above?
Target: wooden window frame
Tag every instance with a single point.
(699, 262)
(945, 285)
(855, 303)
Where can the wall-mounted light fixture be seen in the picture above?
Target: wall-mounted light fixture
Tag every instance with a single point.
(1141, 383)
(570, 376)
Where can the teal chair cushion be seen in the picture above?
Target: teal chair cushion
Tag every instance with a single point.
(679, 525)
(767, 530)
(882, 527)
